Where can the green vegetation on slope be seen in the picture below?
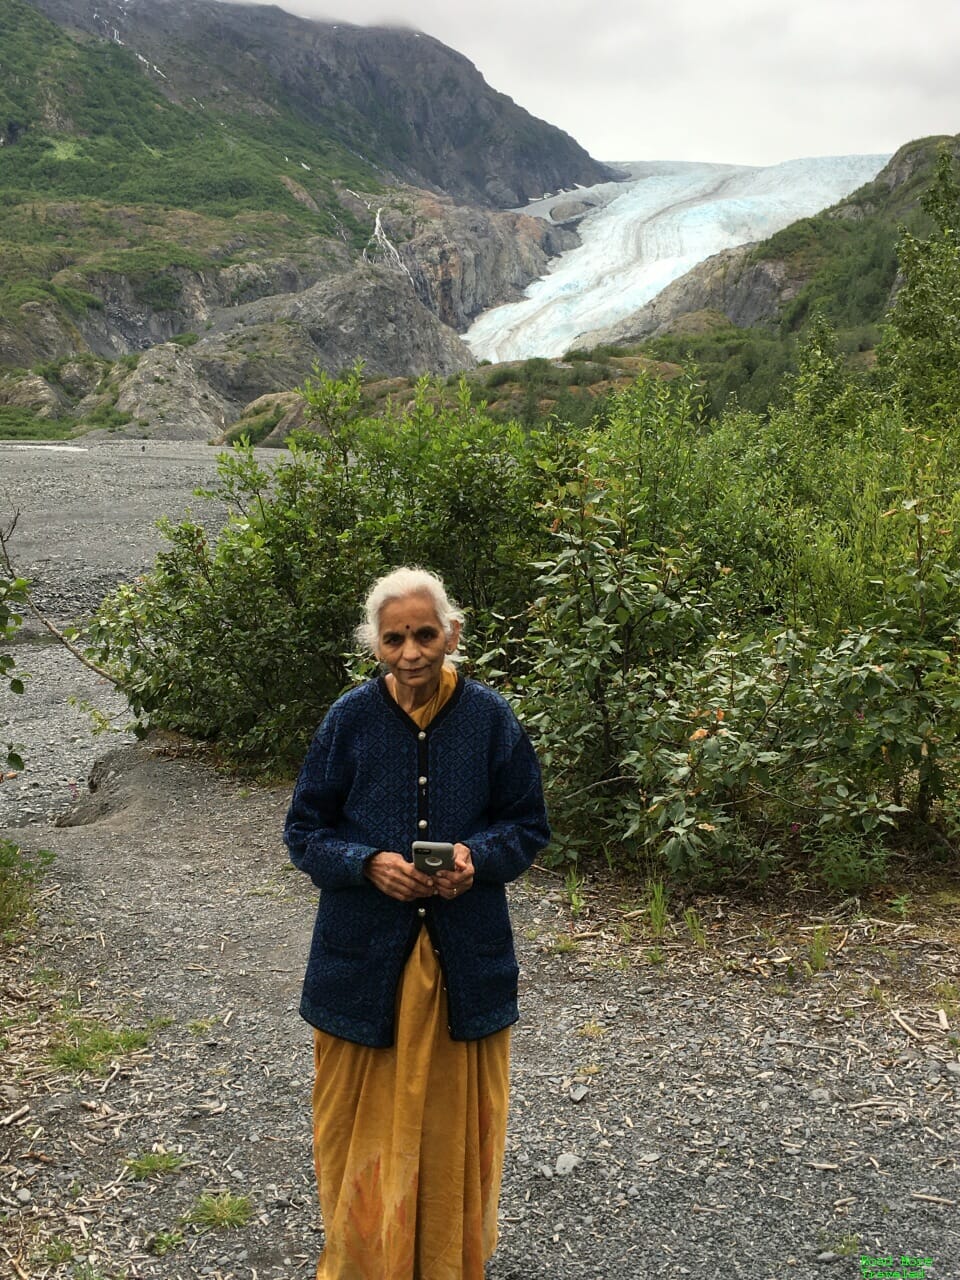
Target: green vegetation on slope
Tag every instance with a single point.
(83, 120)
(99, 172)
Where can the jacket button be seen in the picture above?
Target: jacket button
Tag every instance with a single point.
(422, 780)
(421, 912)
(422, 824)
(422, 736)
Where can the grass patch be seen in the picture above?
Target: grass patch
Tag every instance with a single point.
(164, 1242)
(819, 948)
(88, 1046)
(22, 424)
(691, 918)
(200, 1026)
(656, 908)
(153, 1164)
(218, 1211)
(592, 1030)
(562, 943)
(58, 1251)
(20, 873)
(948, 994)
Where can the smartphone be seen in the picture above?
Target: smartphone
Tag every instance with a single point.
(432, 855)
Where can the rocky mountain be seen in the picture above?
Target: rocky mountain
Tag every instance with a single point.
(222, 336)
(230, 190)
(405, 103)
(842, 261)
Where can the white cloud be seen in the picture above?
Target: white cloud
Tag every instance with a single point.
(753, 81)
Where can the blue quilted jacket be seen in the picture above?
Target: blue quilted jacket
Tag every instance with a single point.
(373, 780)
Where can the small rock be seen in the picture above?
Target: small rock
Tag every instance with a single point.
(821, 1095)
(566, 1163)
(23, 1195)
(827, 1256)
(578, 1092)
(954, 1068)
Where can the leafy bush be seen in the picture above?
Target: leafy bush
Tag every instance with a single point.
(248, 640)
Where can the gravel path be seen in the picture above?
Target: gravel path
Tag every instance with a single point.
(729, 1109)
(87, 520)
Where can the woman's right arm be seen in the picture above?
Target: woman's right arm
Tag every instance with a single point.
(313, 820)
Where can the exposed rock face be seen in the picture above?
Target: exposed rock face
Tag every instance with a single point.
(747, 293)
(128, 321)
(570, 212)
(33, 393)
(166, 394)
(38, 332)
(195, 393)
(371, 313)
(397, 97)
(464, 260)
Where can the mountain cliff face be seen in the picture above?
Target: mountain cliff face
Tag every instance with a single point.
(402, 100)
(260, 324)
(263, 192)
(728, 284)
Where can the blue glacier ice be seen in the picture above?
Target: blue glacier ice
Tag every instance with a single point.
(650, 230)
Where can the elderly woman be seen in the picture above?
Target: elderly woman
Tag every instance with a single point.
(411, 983)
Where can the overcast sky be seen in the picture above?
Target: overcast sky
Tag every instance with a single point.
(745, 81)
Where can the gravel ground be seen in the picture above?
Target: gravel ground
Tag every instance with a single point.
(87, 520)
(727, 1109)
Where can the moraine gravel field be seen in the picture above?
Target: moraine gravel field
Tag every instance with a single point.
(733, 1105)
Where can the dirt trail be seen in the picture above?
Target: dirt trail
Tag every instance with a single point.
(676, 1110)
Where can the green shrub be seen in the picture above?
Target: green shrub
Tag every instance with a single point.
(13, 595)
(248, 640)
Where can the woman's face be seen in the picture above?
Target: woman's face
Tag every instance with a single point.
(412, 645)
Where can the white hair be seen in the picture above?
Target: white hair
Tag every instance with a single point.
(396, 586)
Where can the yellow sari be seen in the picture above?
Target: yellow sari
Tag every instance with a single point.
(408, 1141)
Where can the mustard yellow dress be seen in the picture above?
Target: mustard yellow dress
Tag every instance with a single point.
(408, 1141)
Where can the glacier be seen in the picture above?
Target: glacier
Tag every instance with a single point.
(649, 230)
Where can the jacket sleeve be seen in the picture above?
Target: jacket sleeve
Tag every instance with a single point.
(310, 831)
(518, 829)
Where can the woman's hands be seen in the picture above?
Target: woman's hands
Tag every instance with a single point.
(460, 879)
(397, 878)
(394, 876)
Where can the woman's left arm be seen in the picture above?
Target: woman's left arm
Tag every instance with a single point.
(518, 828)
